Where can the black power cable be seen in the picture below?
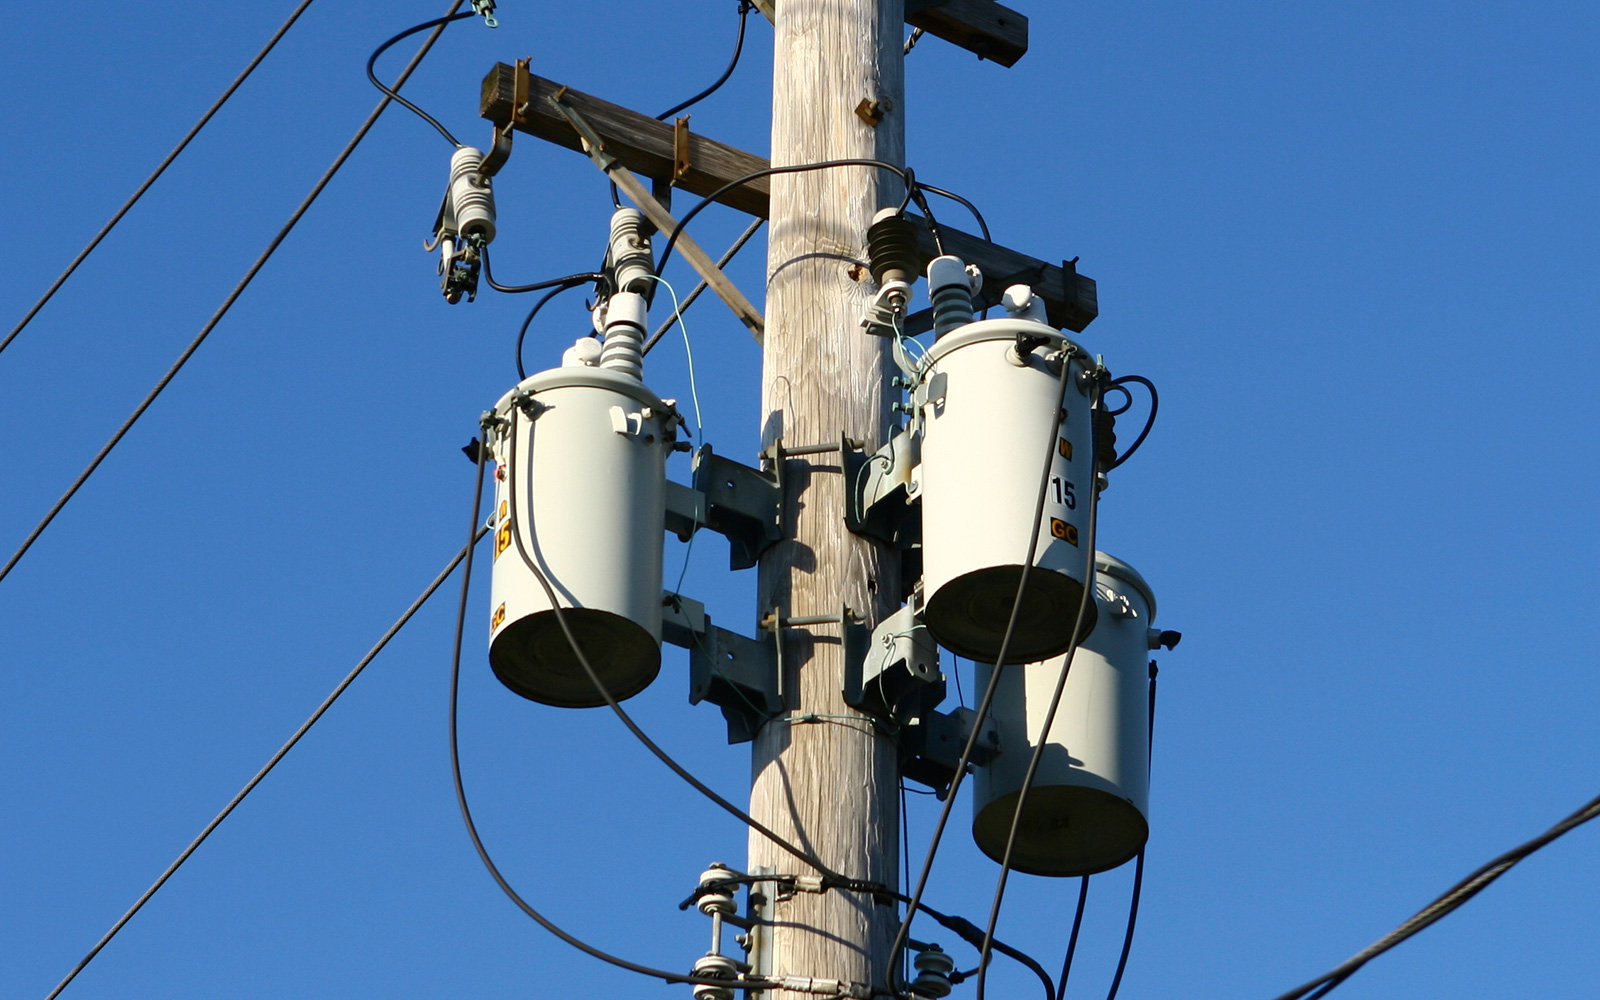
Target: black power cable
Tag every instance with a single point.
(155, 174)
(1149, 422)
(941, 192)
(266, 769)
(672, 237)
(745, 7)
(552, 293)
(228, 302)
(988, 692)
(537, 286)
(1084, 604)
(461, 792)
(1452, 899)
(1133, 917)
(1072, 940)
(392, 92)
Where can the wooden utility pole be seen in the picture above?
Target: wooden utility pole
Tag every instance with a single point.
(829, 783)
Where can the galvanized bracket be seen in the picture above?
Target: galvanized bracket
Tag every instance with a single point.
(893, 671)
(742, 503)
(682, 162)
(931, 748)
(880, 493)
(735, 673)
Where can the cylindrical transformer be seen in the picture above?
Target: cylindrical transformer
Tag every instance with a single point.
(990, 391)
(580, 487)
(1088, 807)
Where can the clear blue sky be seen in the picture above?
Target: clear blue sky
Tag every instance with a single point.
(1354, 245)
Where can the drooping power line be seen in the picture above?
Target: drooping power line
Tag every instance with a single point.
(266, 769)
(155, 174)
(227, 303)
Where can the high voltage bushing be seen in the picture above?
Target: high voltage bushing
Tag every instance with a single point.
(580, 487)
(1088, 807)
(986, 402)
(950, 289)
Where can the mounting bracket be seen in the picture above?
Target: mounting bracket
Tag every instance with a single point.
(735, 673)
(742, 503)
(893, 673)
(932, 747)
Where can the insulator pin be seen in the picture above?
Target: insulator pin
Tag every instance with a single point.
(933, 973)
(715, 897)
(715, 967)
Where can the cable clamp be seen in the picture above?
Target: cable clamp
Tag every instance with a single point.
(824, 987)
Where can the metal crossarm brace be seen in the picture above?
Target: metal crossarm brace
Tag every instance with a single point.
(662, 219)
(649, 147)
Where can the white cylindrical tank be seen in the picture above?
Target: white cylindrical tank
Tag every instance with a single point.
(984, 439)
(580, 487)
(1088, 808)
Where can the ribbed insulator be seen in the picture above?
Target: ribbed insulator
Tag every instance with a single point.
(715, 966)
(933, 974)
(950, 289)
(632, 265)
(471, 198)
(719, 899)
(622, 350)
(892, 247)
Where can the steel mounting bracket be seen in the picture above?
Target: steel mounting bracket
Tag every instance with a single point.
(737, 674)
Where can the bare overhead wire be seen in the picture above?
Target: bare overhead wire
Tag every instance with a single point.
(392, 93)
(1451, 900)
(266, 769)
(155, 174)
(688, 301)
(233, 296)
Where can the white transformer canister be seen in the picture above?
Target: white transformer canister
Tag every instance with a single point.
(985, 417)
(580, 487)
(1088, 808)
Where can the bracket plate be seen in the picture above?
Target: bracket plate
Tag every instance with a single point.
(742, 503)
(735, 673)
(933, 748)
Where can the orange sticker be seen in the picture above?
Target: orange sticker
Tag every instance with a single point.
(505, 508)
(1062, 445)
(499, 616)
(502, 539)
(1061, 529)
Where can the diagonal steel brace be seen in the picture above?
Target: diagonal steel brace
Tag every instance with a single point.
(662, 219)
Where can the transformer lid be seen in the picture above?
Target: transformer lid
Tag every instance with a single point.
(1115, 568)
(1006, 328)
(588, 377)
